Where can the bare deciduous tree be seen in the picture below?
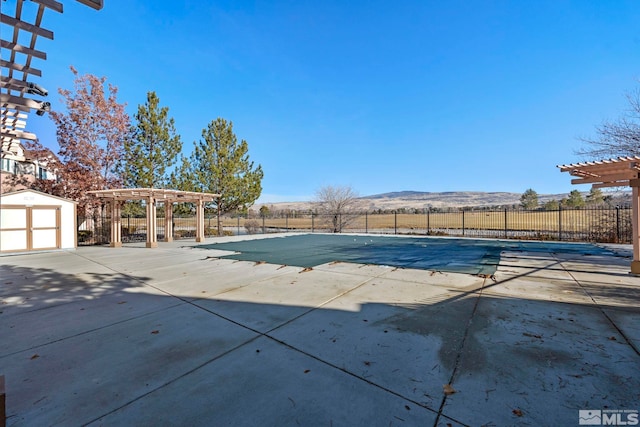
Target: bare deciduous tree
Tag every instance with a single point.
(338, 203)
(616, 138)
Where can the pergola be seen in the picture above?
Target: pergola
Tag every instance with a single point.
(620, 172)
(152, 196)
(18, 51)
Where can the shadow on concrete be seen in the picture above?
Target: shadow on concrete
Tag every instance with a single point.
(26, 288)
(100, 346)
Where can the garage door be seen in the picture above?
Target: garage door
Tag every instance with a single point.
(26, 228)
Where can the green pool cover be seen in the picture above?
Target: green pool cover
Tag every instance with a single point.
(459, 255)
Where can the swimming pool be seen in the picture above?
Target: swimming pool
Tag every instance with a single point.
(459, 255)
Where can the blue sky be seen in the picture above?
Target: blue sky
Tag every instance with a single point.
(379, 95)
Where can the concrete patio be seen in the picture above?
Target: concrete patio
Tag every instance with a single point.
(177, 336)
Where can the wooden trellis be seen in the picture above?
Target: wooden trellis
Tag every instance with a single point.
(619, 172)
(18, 77)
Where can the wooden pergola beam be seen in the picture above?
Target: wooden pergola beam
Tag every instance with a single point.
(622, 176)
(15, 47)
(19, 134)
(22, 68)
(25, 26)
(18, 100)
(51, 4)
(95, 4)
(13, 84)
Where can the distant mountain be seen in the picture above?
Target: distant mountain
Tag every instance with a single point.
(453, 199)
(446, 199)
(398, 194)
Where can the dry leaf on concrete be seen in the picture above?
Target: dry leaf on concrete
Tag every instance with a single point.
(448, 389)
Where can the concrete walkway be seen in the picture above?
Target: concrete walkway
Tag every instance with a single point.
(176, 336)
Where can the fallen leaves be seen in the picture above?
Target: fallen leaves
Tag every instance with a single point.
(448, 389)
(527, 334)
(155, 332)
(518, 412)
(35, 356)
(304, 270)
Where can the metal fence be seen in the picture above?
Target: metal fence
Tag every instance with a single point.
(604, 225)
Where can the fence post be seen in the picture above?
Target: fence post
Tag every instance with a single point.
(286, 222)
(263, 227)
(366, 222)
(463, 222)
(506, 233)
(560, 222)
(428, 224)
(238, 224)
(339, 223)
(618, 224)
(313, 217)
(395, 222)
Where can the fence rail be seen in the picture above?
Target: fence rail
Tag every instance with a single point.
(604, 225)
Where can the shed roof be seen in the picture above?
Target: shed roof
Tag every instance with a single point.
(40, 193)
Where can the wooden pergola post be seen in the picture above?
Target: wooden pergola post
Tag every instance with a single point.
(116, 224)
(168, 220)
(635, 221)
(152, 232)
(200, 221)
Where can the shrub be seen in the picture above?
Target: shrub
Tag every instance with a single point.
(252, 226)
(129, 230)
(84, 235)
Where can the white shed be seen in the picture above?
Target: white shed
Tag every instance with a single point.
(32, 221)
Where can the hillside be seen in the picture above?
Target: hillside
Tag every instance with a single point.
(448, 199)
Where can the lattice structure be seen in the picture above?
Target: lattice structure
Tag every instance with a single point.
(20, 93)
(620, 172)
